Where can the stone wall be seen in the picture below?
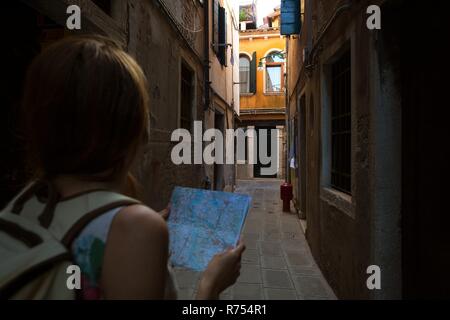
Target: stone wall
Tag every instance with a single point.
(344, 231)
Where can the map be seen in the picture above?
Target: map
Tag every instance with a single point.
(203, 223)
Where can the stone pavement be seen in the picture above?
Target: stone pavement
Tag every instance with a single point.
(277, 263)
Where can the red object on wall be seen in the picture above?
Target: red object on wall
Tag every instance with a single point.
(286, 195)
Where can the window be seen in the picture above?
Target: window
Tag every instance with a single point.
(274, 73)
(341, 124)
(244, 74)
(187, 96)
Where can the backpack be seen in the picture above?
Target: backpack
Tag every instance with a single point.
(36, 232)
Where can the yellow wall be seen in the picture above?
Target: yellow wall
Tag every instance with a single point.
(276, 22)
(261, 46)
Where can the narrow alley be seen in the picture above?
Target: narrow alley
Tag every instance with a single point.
(329, 114)
(277, 264)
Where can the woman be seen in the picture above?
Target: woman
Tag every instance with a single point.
(85, 117)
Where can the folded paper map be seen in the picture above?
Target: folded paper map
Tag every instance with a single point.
(203, 223)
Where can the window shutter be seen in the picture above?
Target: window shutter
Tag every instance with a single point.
(253, 69)
(215, 28)
(225, 37)
(222, 36)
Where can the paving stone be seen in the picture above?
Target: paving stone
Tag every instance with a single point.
(298, 258)
(293, 244)
(272, 236)
(292, 227)
(268, 262)
(250, 256)
(302, 270)
(185, 294)
(256, 213)
(245, 291)
(279, 294)
(276, 279)
(316, 298)
(186, 279)
(250, 244)
(274, 220)
(226, 297)
(271, 228)
(310, 287)
(288, 217)
(255, 221)
(252, 229)
(292, 235)
(270, 248)
(249, 235)
(250, 274)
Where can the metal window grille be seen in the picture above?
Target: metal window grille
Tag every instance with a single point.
(341, 124)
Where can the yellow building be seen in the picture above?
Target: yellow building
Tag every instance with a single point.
(262, 91)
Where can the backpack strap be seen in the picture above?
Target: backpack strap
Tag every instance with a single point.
(16, 231)
(16, 205)
(28, 251)
(71, 216)
(36, 248)
(65, 218)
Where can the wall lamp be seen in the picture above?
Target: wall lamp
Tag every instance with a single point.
(275, 54)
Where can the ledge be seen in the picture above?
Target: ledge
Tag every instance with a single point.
(274, 93)
(339, 200)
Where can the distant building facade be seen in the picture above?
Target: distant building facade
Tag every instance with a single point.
(262, 89)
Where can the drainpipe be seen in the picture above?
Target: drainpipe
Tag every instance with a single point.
(286, 192)
(286, 86)
(206, 81)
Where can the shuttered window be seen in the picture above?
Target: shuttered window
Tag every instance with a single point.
(222, 50)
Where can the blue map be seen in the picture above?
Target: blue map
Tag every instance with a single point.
(203, 223)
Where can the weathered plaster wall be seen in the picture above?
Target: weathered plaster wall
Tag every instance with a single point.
(344, 231)
(159, 49)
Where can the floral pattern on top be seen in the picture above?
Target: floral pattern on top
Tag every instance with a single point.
(88, 250)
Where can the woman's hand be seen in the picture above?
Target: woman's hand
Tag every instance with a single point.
(222, 272)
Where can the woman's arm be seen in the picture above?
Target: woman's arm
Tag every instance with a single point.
(136, 253)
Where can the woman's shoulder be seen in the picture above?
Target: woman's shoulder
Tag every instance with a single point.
(136, 253)
(140, 220)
